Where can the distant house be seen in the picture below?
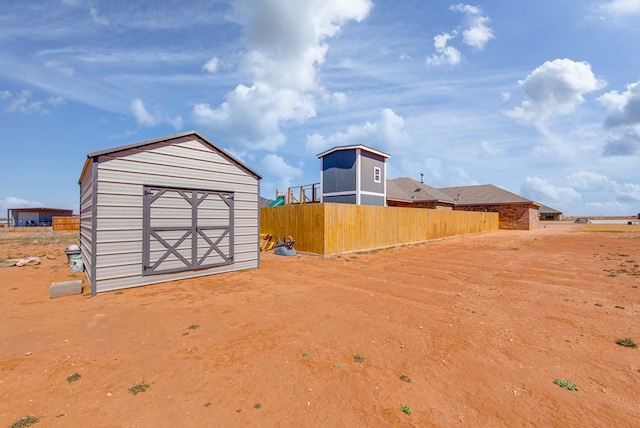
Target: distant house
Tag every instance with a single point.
(353, 175)
(548, 213)
(515, 212)
(23, 217)
(407, 192)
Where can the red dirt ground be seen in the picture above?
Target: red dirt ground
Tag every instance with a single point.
(482, 325)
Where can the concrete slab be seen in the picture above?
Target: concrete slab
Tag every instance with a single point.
(66, 288)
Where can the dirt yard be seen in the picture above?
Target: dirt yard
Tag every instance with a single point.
(468, 331)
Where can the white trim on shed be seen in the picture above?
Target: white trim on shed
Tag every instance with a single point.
(179, 201)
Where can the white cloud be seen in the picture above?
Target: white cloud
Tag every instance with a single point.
(489, 150)
(211, 66)
(539, 190)
(623, 108)
(54, 101)
(623, 192)
(176, 122)
(285, 44)
(446, 55)
(621, 7)
(144, 118)
(142, 115)
(278, 174)
(588, 180)
(628, 143)
(5, 94)
(479, 33)
(340, 98)
(627, 192)
(95, 17)
(60, 68)
(459, 176)
(386, 134)
(251, 116)
(23, 103)
(14, 202)
(466, 8)
(554, 88)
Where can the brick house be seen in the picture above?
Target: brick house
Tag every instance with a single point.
(549, 214)
(515, 212)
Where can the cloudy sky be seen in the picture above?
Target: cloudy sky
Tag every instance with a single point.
(540, 98)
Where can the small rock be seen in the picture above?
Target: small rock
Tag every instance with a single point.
(27, 353)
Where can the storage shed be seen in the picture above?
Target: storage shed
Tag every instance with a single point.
(353, 175)
(165, 209)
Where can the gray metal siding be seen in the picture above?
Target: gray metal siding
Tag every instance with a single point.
(339, 172)
(372, 200)
(368, 161)
(186, 164)
(340, 199)
(86, 217)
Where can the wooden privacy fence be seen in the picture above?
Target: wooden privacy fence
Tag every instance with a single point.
(66, 223)
(339, 228)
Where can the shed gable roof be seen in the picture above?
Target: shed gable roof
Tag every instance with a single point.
(353, 147)
(484, 194)
(409, 190)
(195, 135)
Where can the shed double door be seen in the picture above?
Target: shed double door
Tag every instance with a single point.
(186, 229)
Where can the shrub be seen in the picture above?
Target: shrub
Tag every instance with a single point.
(627, 342)
(566, 384)
(24, 422)
(406, 410)
(138, 388)
(74, 377)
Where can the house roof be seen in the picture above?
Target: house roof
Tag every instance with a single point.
(140, 144)
(548, 210)
(484, 194)
(263, 202)
(409, 190)
(353, 147)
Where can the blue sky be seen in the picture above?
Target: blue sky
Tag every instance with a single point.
(540, 98)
